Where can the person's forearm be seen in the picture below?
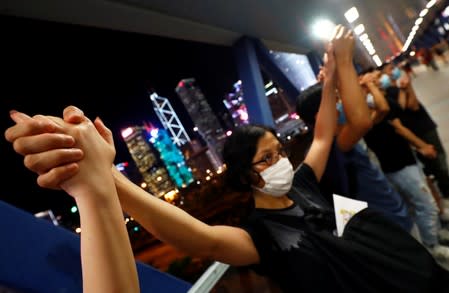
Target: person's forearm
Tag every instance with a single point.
(106, 254)
(381, 105)
(402, 99)
(325, 126)
(412, 100)
(166, 222)
(325, 129)
(379, 99)
(354, 102)
(410, 136)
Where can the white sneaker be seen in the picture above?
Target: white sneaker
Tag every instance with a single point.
(443, 236)
(440, 252)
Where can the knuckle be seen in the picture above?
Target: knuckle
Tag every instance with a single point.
(30, 162)
(19, 147)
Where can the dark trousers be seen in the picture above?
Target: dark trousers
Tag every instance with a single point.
(436, 167)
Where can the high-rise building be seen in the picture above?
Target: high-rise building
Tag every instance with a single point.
(279, 104)
(167, 115)
(146, 157)
(235, 104)
(197, 156)
(172, 158)
(206, 123)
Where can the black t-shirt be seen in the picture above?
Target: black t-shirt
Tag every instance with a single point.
(280, 235)
(298, 248)
(418, 121)
(392, 150)
(335, 178)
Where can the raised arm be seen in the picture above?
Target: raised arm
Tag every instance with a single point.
(354, 103)
(107, 260)
(170, 224)
(381, 107)
(326, 119)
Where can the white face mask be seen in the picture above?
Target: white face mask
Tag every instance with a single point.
(278, 178)
(370, 100)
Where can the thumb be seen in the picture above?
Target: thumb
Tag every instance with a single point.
(73, 115)
(103, 131)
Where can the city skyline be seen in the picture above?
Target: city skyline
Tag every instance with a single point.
(107, 74)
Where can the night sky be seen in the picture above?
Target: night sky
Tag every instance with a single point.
(47, 66)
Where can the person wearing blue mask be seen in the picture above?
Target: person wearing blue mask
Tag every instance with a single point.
(392, 76)
(385, 81)
(391, 141)
(396, 73)
(417, 119)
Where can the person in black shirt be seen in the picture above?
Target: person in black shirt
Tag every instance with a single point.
(417, 119)
(390, 141)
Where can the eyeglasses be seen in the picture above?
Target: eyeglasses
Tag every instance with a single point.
(271, 158)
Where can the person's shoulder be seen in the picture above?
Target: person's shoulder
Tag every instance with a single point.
(303, 168)
(304, 173)
(251, 221)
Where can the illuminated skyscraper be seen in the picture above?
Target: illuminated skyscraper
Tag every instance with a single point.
(236, 105)
(206, 123)
(146, 157)
(164, 111)
(172, 158)
(279, 104)
(197, 158)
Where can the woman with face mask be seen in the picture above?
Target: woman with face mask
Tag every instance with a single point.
(288, 235)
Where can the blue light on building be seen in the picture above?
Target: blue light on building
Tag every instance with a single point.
(172, 158)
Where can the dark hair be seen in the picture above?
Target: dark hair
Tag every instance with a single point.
(238, 152)
(308, 103)
(367, 70)
(385, 64)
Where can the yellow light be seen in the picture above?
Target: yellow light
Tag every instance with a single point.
(171, 195)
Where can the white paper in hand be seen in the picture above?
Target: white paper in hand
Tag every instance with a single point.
(345, 208)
